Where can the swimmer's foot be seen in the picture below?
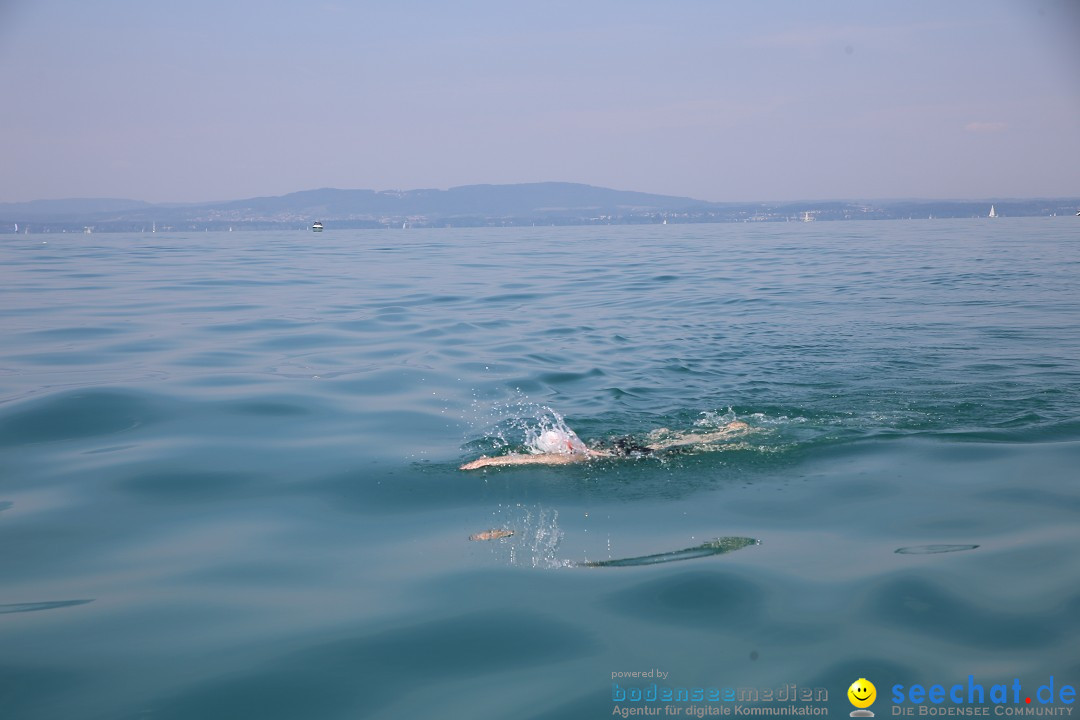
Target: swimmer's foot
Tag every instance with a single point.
(493, 534)
(735, 428)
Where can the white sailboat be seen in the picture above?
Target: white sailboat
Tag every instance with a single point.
(993, 213)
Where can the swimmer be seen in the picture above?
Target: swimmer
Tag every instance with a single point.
(558, 447)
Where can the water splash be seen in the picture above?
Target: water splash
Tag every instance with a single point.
(716, 419)
(520, 425)
(530, 536)
(536, 540)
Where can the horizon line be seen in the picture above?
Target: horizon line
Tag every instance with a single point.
(952, 199)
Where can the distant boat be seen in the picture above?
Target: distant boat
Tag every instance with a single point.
(1077, 214)
(316, 226)
(993, 213)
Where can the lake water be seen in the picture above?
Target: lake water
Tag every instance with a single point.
(229, 484)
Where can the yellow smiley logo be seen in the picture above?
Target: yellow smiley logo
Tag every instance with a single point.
(862, 693)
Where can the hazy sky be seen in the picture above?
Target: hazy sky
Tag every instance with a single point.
(724, 101)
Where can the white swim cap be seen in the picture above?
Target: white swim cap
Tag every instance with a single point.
(553, 441)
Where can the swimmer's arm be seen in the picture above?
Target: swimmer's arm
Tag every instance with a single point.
(538, 459)
(515, 459)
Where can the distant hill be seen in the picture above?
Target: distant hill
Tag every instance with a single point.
(525, 200)
(477, 205)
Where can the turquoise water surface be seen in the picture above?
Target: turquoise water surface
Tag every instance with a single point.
(229, 484)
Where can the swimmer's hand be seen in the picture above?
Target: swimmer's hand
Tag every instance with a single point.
(480, 462)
